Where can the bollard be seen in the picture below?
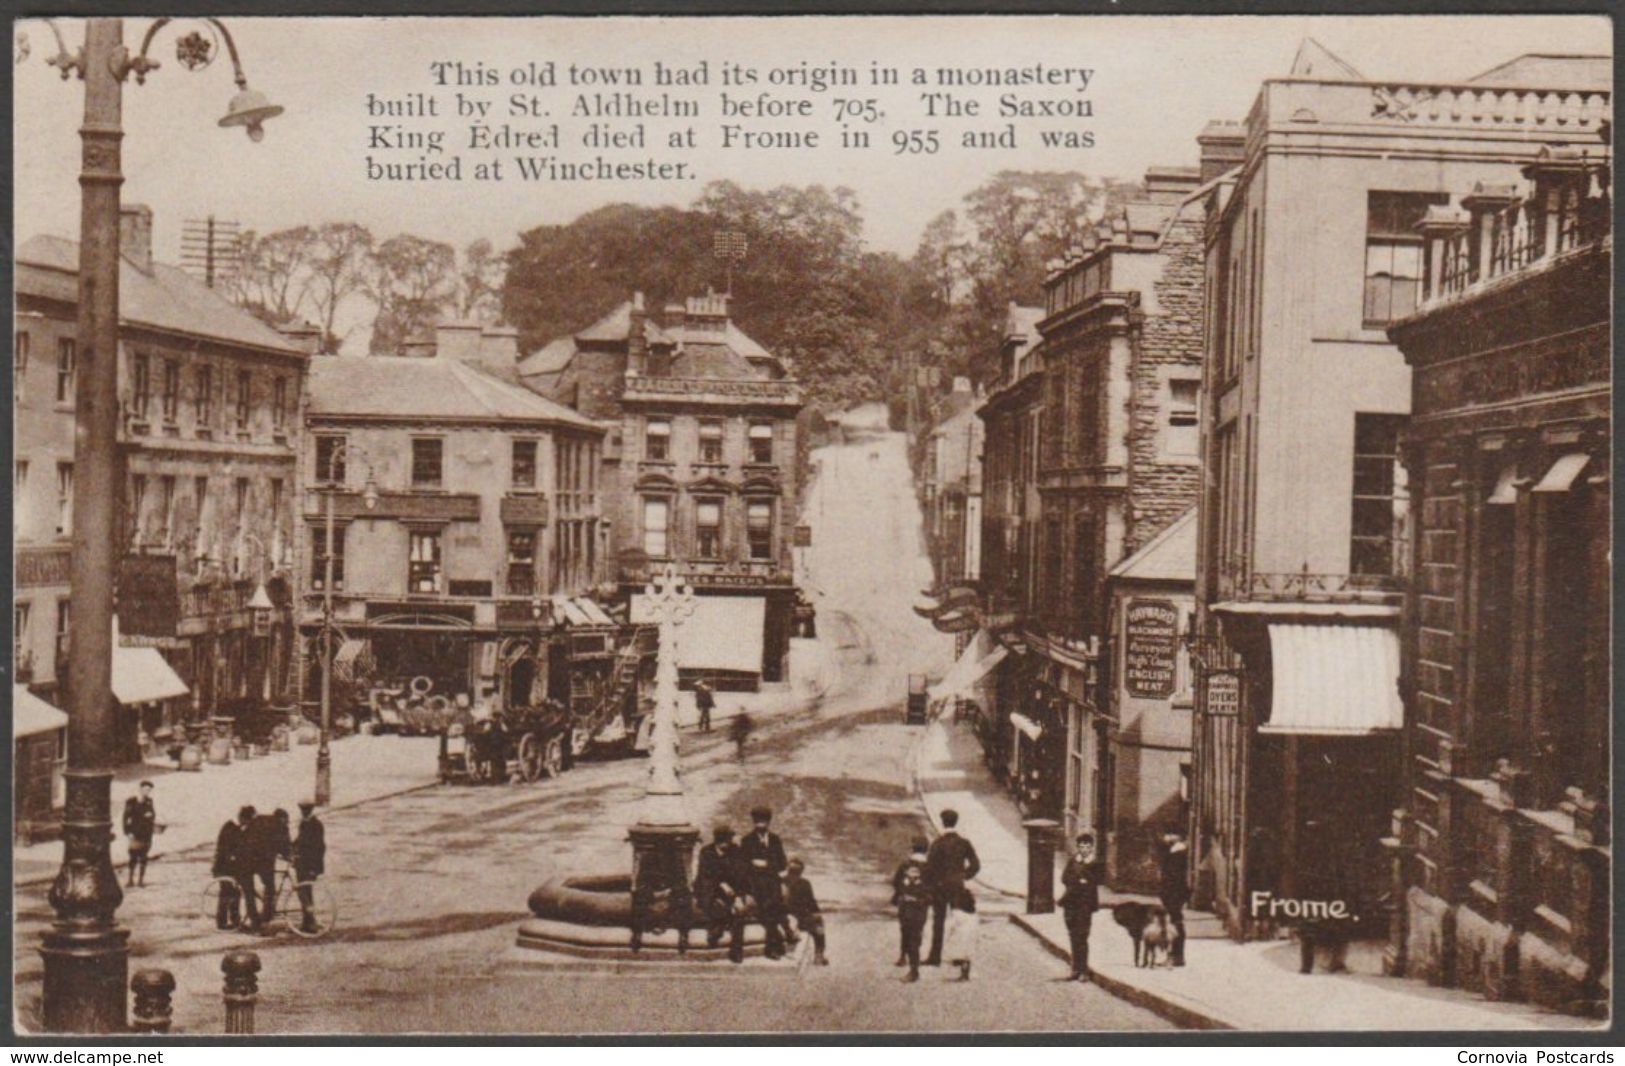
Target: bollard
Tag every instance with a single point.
(152, 990)
(242, 989)
(1040, 864)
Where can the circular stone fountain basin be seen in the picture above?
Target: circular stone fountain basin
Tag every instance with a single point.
(590, 916)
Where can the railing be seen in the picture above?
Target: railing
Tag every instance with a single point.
(1491, 106)
(775, 391)
(753, 571)
(1328, 588)
(1501, 233)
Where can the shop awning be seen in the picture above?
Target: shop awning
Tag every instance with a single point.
(1029, 728)
(1334, 680)
(980, 658)
(723, 633)
(140, 675)
(352, 660)
(31, 715)
(1561, 476)
(580, 611)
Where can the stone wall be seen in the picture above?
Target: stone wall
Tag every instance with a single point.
(1163, 487)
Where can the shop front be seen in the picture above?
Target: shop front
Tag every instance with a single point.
(1301, 739)
(39, 755)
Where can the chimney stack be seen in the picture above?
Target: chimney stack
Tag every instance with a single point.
(458, 339)
(499, 352)
(1223, 147)
(637, 337)
(135, 235)
(306, 336)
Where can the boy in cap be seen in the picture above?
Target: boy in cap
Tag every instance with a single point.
(803, 907)
(1081, 880)
(716, 885)
(140, 823)
(911, 895)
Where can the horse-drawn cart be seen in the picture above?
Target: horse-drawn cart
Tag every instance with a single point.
(528, 744)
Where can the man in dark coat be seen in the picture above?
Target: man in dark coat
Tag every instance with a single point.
(1080, 899)
(1175, 893)
(228, 863)
(949, 864)
(706, 702)
(140, 823)
(911, 895)
(309, 861)
(265, 840)
(717, 884)
(762, 854)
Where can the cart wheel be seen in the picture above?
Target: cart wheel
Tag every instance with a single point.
(530, 757)
(553, 756)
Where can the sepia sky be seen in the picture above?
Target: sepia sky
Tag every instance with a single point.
(1157, 82)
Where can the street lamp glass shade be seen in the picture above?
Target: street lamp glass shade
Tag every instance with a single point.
(250, 109)
(369, 494)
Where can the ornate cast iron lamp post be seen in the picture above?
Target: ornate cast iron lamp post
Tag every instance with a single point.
(85, 952)
(663, 838)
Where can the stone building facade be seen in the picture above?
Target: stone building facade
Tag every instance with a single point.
(209, 429)
(1090, 456)
(1306, 517)
(485, 518)
(1501, 850)
(701, 471)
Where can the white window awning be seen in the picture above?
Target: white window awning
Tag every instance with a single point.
(1506, 486)
(1561, 476)
(1333, 680)
(723, 633)
(31, 715)
(981, 656)
(1029, 728)
(140, 675)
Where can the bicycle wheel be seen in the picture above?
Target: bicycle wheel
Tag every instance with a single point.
(323, 911)
(212, 893)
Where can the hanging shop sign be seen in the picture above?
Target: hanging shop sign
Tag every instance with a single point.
(1150, 633)
(149, 601)
(1223, 695)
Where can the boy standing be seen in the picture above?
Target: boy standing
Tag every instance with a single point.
(911, 895)
(802, 905)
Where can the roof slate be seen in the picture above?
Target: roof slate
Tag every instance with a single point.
(168, 299)
(428, 389)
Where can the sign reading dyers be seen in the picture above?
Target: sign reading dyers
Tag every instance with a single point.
(1150, 630)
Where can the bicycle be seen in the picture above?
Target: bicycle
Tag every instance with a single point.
(288, 908)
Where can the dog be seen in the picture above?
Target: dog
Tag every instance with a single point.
(1147, 926)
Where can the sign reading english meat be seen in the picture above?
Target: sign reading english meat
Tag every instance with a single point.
(1148, 649)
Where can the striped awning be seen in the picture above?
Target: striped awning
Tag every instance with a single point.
(1333, 680)
(580, 611)
(352, 660)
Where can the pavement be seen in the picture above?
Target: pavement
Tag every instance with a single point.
(192, 805)
(1261, 989)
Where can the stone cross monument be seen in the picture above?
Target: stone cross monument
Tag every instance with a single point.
(663, 838)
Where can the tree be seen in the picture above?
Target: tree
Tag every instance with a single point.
(269, 278)
(413, 281)
(480, 276)
(339, 260)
